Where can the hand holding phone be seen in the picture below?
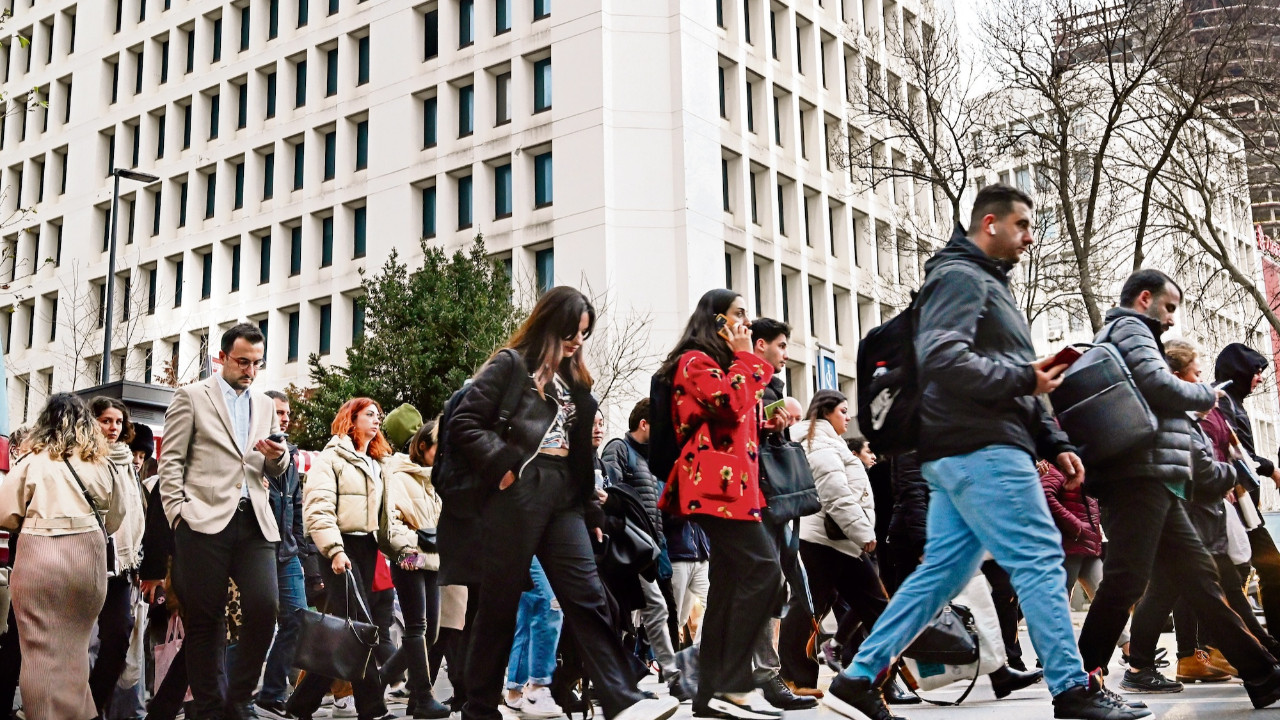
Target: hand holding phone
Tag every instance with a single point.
(1066, 356)
(277, 437)
(772, 408)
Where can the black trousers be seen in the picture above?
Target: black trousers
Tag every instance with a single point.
(899, 558)
(1007, 609)
(832, 574)
(362, 551)
(420, 604)
(541, 514)
(745, 582)
(1148, 528)
(115, 623)
(1266, 560)
(202, 566)
(1186, 625)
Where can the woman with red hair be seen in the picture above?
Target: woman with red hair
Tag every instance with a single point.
(348, 512)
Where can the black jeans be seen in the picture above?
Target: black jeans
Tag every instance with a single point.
(1148, 528)
(362, 551)
(1266, 560)
(899, 558)
(1007, 609)
(831, 573)
(202, 566)
(115, 623)
(420, 604)
(745, 582)
(541, 514)
(1186, 625)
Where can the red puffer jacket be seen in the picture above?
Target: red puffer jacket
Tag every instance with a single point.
(1075, 513)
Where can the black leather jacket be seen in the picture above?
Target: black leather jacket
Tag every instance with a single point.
(627, 463)
(910, 500)
(491, 455)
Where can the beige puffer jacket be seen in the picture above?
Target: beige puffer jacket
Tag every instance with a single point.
(416, 501)
(843, 488)
(129, 536)
(342, 495)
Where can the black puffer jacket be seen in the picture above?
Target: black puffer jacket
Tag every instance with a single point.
(974, 354)
(910, 500)
(1168, 457)
(1239, 363)
(627, 463)
(1210, 481)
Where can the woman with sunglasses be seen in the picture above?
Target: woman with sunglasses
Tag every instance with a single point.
(538, 471)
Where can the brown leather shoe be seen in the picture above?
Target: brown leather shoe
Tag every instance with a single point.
(1197, 668)
(805, 692)
(1217, 660)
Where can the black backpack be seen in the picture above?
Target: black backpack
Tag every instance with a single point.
(451, 475)
(889, 385)
(664, 448)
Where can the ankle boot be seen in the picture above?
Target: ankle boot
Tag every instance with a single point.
(1006, 680)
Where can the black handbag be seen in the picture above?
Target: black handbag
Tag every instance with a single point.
(833, 529)
(427, 540)
(951, 638)
(786, 481)
(336, 647)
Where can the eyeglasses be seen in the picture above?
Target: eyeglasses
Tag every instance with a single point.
(246, 363)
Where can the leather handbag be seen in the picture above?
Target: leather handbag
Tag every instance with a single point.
(786, 481)
(336, 647)
(427, 540)
(951, 638)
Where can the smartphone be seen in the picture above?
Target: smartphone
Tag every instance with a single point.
(1222, 385)
(722, 326)
(1067, 356)
(277, 437)
(772, 408)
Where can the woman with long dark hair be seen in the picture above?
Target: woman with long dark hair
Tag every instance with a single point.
(538, 472)
(65, 497)
(716, 385)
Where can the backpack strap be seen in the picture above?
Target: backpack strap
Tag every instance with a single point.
(511, 396)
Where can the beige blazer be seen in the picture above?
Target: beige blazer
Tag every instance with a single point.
(202, 470)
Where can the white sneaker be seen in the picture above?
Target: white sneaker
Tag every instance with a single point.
(539, 704)
(650, 709)
(344, 707)
(743, 706)
(516, 705)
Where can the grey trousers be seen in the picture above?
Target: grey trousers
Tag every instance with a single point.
(654, 618)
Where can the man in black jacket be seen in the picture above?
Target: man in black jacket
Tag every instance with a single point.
(982, 430)
(286, 503)
(1244, 367)
(1142, 512)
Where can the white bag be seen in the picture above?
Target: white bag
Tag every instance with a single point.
(991, 656)
(135, 659)
(1238, 548)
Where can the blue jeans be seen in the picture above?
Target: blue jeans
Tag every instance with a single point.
(533, 651)
(991, 499)
(293, 595)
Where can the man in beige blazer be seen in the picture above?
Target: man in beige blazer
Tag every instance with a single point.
(213, 463)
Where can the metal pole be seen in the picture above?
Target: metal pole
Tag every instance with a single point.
(108, 311)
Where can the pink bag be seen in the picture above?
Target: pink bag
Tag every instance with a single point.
(166, 651)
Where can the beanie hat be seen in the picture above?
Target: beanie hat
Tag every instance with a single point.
(143, 439)
(401, 424)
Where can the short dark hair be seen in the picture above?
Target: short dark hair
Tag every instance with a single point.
(638, 413)
(768, 330)
(244, 331)
(1146, 279)
(998, 200)
(276, 395)
(856, 444)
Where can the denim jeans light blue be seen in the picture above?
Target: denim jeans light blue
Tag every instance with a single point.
(293, 595)
(538, 623)
(988, 499)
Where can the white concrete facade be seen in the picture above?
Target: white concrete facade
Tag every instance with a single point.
(643, 163)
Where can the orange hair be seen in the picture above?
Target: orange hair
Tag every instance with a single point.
(344, 423)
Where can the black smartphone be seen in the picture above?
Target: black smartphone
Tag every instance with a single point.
(277, 437)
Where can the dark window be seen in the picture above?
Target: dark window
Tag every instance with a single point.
(466, 110)
(155, 214)
(773, 34)
(799, 53)
(211, 195)
(300, 86)
(357, 319)
(724, 182)
(541, 9)
(271, 95)
(362, 71)
(786, 300)
(137, 153)
(304, 12)
(115, 82)
(326, 241)
(746, 20)
(755, 271)
(429, 212)
(217, 40)
(502, 13)
(273, 20)
(466, 22)
(244, 28)
(66, 116)
(720, 13)
(360, 220)
(542, 195)
(330, 151)
(242, 109)
(431, 23)
(268, 176)
(239, 203)
(544, 265)
(119, 14)
(502, 191)
(755, 212)
(182, 204)
(191, 51)
(186, 126)
(299, 156)
(293, 335)
(177, 284)
(264, 261)
(503, 87)
(147, 368)
(137, 75)
(751, 108)
(153, 281)
(362, 145)
(295, 250)
(326, 326)
(782, 212)
(331, 73)
(464, 202)
(215, 106)
(724, 113)
(429, 122)
(206, 276)
(542, 85)
(333, 7)
(777, 120)
(164, 62)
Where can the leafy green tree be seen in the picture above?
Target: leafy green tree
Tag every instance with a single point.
(426, 332)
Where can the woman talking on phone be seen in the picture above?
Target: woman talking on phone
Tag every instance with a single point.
(716, 384)
(538, 469)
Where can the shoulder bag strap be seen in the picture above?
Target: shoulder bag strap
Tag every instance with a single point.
(973, 682)
(87, 497)
(511, 397)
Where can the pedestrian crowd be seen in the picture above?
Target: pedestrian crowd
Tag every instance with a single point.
(732, 541)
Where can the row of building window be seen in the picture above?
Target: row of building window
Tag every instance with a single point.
(502, 14)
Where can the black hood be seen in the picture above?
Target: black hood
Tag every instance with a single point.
(962, 249)
(1238, 363)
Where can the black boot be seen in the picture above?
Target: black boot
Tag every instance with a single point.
(426, 706)
(857, 698)
(1265, 690)
(781, 697)
(1006, 680)
(896, 692)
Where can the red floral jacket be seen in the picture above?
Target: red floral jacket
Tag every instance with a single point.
(714, 413)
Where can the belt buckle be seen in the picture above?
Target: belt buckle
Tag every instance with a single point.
(244, 504)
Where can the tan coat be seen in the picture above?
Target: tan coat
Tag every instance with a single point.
(134, 524)
(416, 501)
(39, 496)
(342, 495)
(202, 470)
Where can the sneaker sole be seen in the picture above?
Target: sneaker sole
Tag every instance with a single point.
(542, 714)
(1148, 691)
(842, 707)
(666, 713)
(1191, 680)
(723, 709)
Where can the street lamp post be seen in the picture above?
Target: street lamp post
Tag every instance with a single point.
(108, 312)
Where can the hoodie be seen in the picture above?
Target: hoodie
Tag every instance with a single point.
(1239, 363)
(974, 354)
(129, 536)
